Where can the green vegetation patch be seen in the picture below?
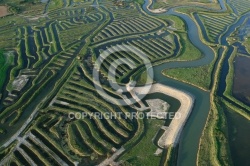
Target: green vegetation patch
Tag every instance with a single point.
(2, 131)
(175, 22)
(246, 43)
(142, 79)
(6, 60)
(216, 24)
(55, 4)
(199, 76)
(173, 3)
(242, 6)
(143, 152)
(213, 148)
(188, 50)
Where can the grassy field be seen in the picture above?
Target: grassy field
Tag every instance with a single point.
(200, 76)
(246, 43)
(6, 60)
(141, 2)
(188, 50)
(175, 22)
(142, 80)
(214, 148)
(143, 152)
(55, 4)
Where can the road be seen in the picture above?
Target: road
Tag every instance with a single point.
(112, 158)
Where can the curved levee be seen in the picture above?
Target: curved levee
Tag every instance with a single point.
(189, 141)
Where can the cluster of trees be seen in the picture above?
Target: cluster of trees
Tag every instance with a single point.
(1, 52)
(30, 1)
(14, 9)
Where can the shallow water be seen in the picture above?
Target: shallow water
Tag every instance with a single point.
(241, 87)
(44, 1)
(189, 141)
(238, 130)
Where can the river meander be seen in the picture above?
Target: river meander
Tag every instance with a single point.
(189, 142)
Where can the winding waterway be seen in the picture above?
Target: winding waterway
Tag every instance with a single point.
(189, 142)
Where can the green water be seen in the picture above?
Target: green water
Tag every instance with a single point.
(238, 131)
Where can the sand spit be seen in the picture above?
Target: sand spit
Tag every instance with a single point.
(160, 10)
(172, 134)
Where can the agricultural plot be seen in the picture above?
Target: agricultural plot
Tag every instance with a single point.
(50, 77)
(124, 13)
(123, 23)
(216, 25)
(73, 24)
(155, 47)
(37, 45)
(241, 6)
(33, 48)
(36, 149)
(70, 12)
(127, 27)
(58, 4)
(75, 28)
(87, 140)
(8, 37)
(43, 51)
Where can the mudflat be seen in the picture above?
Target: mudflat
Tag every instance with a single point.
(3, 11)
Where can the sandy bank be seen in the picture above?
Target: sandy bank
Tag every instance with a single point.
(172, 134)
(3, 11)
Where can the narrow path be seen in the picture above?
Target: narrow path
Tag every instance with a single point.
(112, 158)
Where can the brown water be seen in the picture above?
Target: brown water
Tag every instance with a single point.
(241, 87)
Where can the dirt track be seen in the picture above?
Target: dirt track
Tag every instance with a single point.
(3, 11)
